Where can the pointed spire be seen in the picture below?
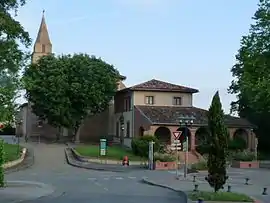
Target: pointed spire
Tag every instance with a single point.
(43, 34)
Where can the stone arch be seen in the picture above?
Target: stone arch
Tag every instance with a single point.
(185, 131)
(241, 134)
(201, 135)
(141, 131)
(163, 134)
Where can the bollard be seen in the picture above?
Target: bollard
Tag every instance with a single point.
(264, 191)
(194, 179)
(200, 200)
(196, 188)
(229, 188)
(247, 179)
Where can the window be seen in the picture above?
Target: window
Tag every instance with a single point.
(128, 130)
(43, 48)
(117, 129)
(177, 101)
(149, 99)
(127, 104)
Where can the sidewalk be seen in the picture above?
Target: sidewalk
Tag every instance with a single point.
(186, 185)
(18, 191)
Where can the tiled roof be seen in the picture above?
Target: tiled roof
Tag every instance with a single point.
(170, 115)
(160, 86)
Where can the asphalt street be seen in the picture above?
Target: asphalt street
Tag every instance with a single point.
(72, 184)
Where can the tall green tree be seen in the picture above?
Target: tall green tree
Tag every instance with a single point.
(12, 58)
(65, 90)
(218, 142)
(251, 74)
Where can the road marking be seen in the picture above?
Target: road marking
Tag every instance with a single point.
(118, 178)
(106, 189)
(106, 178)
(98, 184)
(92, 179)
(130, 177)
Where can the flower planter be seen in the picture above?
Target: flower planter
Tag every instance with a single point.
(245, 164)
(165, 165)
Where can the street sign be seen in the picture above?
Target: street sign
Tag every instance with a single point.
(177, 134)
(176, 145)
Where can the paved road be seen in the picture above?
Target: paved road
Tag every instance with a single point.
(75, 184)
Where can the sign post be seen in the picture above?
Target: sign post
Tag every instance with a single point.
(185, 149)
(102, 147)
(176, 146)
(151, 156)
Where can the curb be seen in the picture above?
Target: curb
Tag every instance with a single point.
(181, 193)
(26, 163)
(79, 165)
(17, 161)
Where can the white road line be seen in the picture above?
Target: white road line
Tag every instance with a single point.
(92, 179)
(98, 184)
(106, 189)
(118, 178)
(106, 178)
(130, 177)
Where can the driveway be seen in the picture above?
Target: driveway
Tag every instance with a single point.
(74, 184)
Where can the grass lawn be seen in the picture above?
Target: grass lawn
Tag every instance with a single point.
(11, 152)
(219, 196)
(113, 152)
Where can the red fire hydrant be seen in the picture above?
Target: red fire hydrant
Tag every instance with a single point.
(125, 161)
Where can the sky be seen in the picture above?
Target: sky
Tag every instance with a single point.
(185, 42)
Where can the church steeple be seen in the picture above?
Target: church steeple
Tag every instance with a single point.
(43, 45)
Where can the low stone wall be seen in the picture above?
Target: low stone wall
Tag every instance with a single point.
(245, 164)
(17, 161)
(165, 165)
(265, 164)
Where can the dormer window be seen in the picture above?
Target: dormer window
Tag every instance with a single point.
(149, 100)
(177, 101)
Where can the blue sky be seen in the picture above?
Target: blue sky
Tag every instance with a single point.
(191, 43)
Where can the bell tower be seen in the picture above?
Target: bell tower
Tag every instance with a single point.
(43, 45)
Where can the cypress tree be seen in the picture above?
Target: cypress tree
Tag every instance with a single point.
(218, 145)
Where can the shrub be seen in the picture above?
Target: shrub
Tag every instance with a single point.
(163, 157)
(244, 156)
(203, 149)
(237, 144)
(201, 165)
(2, 161)
(140, 146)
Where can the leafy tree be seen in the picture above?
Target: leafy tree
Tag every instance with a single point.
(12, 58)
(65, 90)
(252, 74)
(218, 139)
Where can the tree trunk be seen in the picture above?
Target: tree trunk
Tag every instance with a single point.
(77, 134)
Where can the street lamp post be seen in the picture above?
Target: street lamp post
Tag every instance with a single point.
(122, 126)
(186, 121)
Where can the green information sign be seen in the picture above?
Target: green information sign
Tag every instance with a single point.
(103, 147)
